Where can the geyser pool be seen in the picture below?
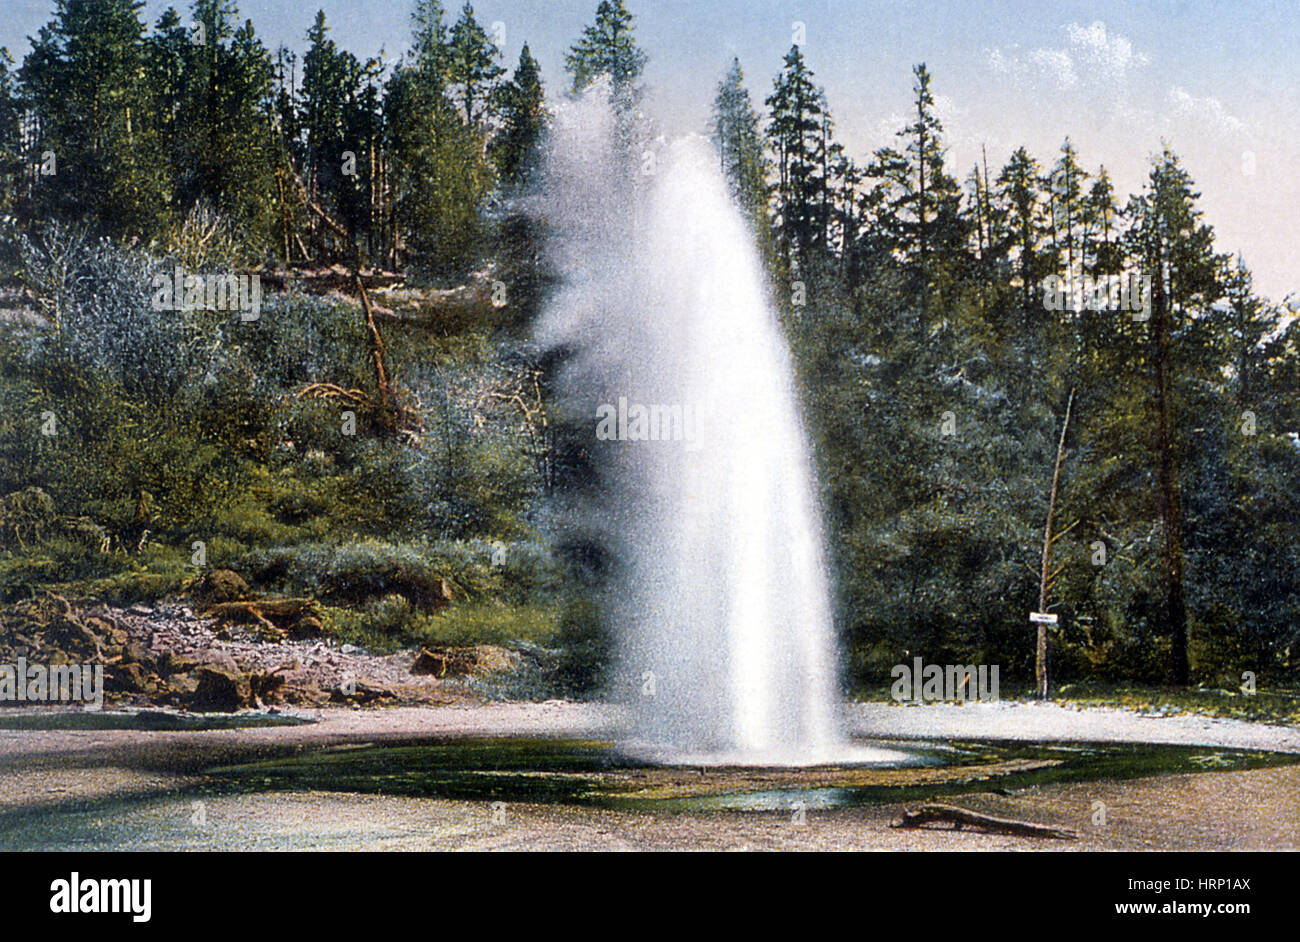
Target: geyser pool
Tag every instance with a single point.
(726, 650)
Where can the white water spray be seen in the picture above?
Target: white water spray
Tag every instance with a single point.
(722, 608)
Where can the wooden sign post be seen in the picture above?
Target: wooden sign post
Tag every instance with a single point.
(1042, 620)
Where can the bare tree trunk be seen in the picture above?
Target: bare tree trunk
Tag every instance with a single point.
(1045, 577)
(387, 406)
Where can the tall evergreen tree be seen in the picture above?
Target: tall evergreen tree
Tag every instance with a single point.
(441, 175)
(341, 127)
(472, 68)
(523, 121)
(739, 140)
(608, 47)
(1175, 249)
(223, 155)
(84, 79)
(1100, 247)
(1024, 227)
(429, 44)
(11, 142)
(917, 203)
(796, 133)
(1067, 184)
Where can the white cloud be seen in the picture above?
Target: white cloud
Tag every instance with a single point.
(1101, 51)
(1055, 64)
(1092, 55)
(1207, 112)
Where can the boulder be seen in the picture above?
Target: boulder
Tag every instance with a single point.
(266, 687)
(128, 677)
(109, 632)
(217, 657)
(220, 585)
(137, 652)
(307, 627)
(220, 690)
(182, 688)
(169, 663)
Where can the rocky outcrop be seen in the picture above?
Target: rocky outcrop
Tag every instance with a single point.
(167, 654)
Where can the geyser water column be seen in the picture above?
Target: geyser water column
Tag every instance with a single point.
(726, 650)
(731, 636)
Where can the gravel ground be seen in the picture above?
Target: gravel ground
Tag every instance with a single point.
(1050, 722)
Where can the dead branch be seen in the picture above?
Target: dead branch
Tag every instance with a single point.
(388, 412)
(331, 391)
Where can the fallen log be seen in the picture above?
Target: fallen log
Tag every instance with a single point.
(269, 614)
(362, 691)
(959, 818)
(442, 661)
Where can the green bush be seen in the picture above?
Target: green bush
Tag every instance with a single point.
(491, 622)
(354, 572)
(587, 649)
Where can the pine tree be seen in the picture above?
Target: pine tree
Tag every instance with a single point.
(223, 155)
(85, 82)
(10, 136)
(608, 47)
(1025, 226)
(326, 80)
(472, 69)
(441, 176)
(1067, 182)
(341, 125)
(1175, 249)
(737, 136)
(429, 42)
(1248, 327)
(168, 51)
(796, 132)
(844, 179)
(522, 105)
(1102, 254)
(917, 203)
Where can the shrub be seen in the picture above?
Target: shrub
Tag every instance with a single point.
(587, 649)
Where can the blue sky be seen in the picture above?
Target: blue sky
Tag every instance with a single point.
(1216, 80)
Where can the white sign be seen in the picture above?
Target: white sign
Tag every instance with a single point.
(1042, 618)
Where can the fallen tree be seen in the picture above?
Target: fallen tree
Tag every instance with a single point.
(294, 617)
(959, 818)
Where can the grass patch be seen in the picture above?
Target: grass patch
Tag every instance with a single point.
(1276, 704)
(392, 623)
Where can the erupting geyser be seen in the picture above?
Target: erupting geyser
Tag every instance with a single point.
(721, 606)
